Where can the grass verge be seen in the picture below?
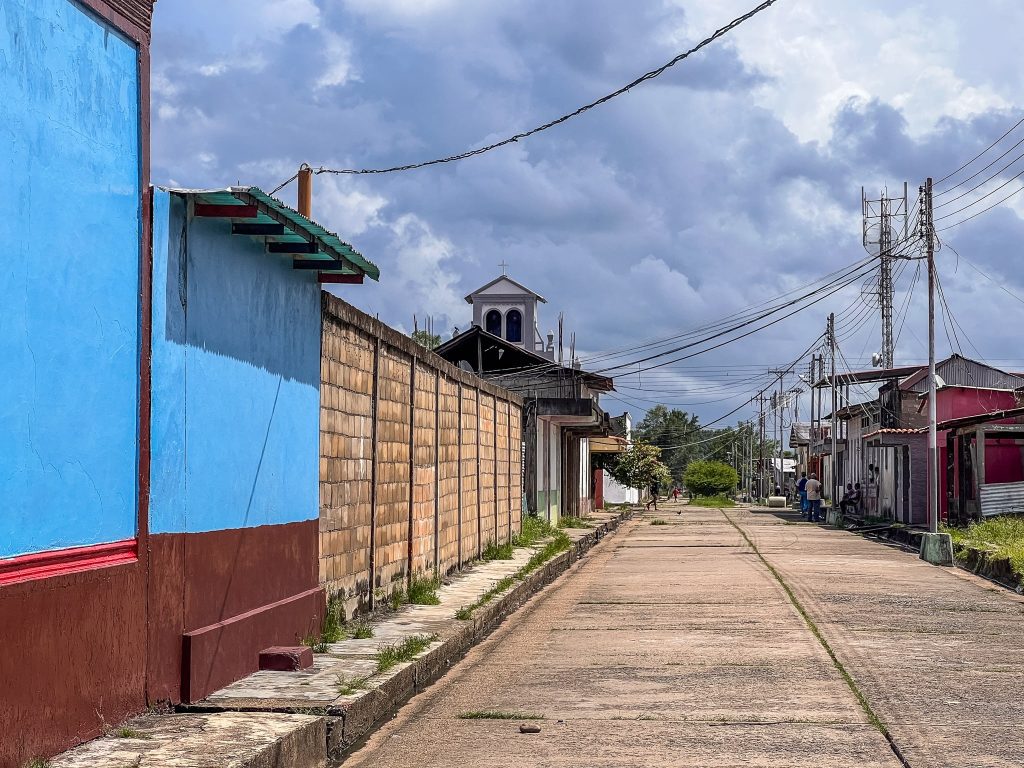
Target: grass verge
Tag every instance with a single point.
(1000, 538)
(491, 715)
(715, 502)
(389, 656)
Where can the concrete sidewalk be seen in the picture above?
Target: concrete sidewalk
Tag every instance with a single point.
(734, 638)
(935, 651)
(300, 719)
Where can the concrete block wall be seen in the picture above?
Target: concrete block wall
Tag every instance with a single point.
(402, 492)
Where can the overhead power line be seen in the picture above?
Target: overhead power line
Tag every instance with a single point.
(984, 151)
(720, 32)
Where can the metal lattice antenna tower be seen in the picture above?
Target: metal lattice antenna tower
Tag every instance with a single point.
(885, 222)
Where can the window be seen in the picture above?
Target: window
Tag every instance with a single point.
(514, 325)
(492, 322)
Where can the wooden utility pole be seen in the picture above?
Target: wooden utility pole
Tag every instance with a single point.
(306, 191)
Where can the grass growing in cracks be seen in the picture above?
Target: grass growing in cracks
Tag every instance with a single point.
(658, 521)
(811, 625)
(486, 714)
(389, 656)
(349, 685)
(569, 521)
(423, 591)
(533, 531)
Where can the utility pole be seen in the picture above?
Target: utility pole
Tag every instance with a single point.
(760, 446)
(779, 399)
(928, 233)
(835, 463)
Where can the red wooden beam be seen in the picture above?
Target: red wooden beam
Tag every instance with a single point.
(226, 211)
(325, 277)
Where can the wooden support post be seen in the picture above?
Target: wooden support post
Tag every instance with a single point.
(306, 191)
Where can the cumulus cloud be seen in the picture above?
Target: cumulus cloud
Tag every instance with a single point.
(733, 178)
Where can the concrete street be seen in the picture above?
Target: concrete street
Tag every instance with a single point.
(683, 645)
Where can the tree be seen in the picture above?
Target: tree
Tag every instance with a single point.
(426, 339)
(664, 427)
(640, 466)
(709, 478)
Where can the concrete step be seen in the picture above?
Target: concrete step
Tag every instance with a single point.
(201, 740)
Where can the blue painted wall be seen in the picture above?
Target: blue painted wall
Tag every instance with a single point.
(236, 379)
(69, 278)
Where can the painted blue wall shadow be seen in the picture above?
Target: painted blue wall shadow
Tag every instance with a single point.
(236, 379)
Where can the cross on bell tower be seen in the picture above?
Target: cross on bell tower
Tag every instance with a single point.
(504, 267)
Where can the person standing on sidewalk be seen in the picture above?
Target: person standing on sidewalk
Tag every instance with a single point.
(801, 488)
(813, 489)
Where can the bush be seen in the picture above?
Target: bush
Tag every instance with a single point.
(710, 478)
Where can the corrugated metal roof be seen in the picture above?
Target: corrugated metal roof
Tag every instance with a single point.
(338, 256)
(959, 371)
(895, 431)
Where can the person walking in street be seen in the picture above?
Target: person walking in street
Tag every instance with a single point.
(801, 489)
(813, 489)
(675, 493)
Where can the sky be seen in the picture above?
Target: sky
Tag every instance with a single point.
(733, 178)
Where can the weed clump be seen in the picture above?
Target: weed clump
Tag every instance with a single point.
(658, 521)
(350, 685)
(423, 591)
(1001, 538)
(570, 521)
(389, 656)
(486, 714)
(496, 551)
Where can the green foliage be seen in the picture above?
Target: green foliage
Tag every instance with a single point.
(398, 599)
(426, 339)
(710, 478)
(640, 466)
(533, 530)
(124, 732)
(423, 591)
(334, 620)
(38, 762)
(718, 502)
(1001, 537)
(496, 551)
(492, 715)
(658, 521)
(349, 685)
(389, 656)
(570, 521)
(361, 630)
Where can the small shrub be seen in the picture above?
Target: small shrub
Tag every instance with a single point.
(38, 762)
(423, 591)
(710, 478)
(332, 629)
(465, 613)
(389, 656)
(658, 521)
